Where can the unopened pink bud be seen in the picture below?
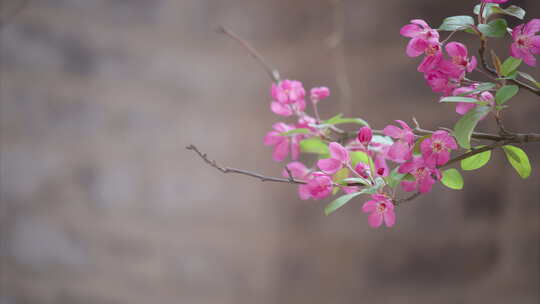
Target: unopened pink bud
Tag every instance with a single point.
(319, 93)
(364, 135)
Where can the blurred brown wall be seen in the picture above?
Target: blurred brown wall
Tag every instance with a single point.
(101, 203)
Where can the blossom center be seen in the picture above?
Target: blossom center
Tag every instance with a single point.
(437, 146)
(421, 172)
(459, 60)
(381, 207)
(523, 42)
(432, 49)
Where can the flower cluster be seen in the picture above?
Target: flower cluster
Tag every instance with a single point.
(376, 162)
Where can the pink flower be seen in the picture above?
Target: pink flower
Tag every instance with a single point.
(281, 143)
(433, 57)
(526, 44)
(441, 81)
(421, 33)
(288, 97)
(319, 186)
(381, 209)
(436, 149)
(365, 135)
(458, 53)
(339, 157)
(362, 169)
(400, 150)
(301, 172)
(422, 173)
(320, 93)
(464, 107)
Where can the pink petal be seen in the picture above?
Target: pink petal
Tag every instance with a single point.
(443, 157)
(421, 22)
(295, 149)
(455, 49)
(399, 151)
(281, 109)
(338, 152)
(369, 206)
(389, 218)
(416, 47)
(410, 30)
(303, 192)
(464, 107)
(429, 63)
(329, 165)
(392, 131)
(424, 185)
(532, 27)
(406, 167)
(281, 151)
(529, 59)
(298, 170)
(408, 186)
(381, 166)
(350, 189)
(535, 41)
(425, 147)
(272, 138)
(472, 64)
(375, 219)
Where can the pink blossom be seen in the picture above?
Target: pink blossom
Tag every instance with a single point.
(423, 175)
(464, 107)
(381, 209)
(281, 142)
(526, 44)
(288, 97)
(339, 157)
(319, 93)
(421, 33)
(458, 53)
(433, 57)
(440, 80)
(381, 167)
(436, 148)
(362, 169)
(400, 150)
(365, 135)
(319, 186)
(300, 172)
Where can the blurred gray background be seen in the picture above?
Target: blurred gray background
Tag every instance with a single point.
(101, 203)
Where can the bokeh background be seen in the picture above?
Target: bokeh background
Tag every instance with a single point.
(101, 203)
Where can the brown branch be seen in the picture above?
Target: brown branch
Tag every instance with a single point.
(273, 73)
(261, 177)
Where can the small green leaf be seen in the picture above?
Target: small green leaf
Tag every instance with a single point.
(296, 131)
(505, 93)
(456, 23)
(495, 28)
(465, 126)
(519, 160)
(481, 88)
(529, 78)
(458, 99)
(313, 145)
(339, 202)
(417, 145)
(359, 157)
(452, 179)
(512, 10)
(510, 65)
(476, 161)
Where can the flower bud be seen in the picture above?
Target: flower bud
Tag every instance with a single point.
(319, 93)
(365, 135)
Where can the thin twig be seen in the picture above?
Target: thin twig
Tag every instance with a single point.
(273, 73)
(261, 177)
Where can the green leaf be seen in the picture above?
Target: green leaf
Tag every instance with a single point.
(476, 161)
(339, 119)
(519, 160)
(417, 145)
(313, 145)
(465, 126)
(452, 179)
(296, 131)
(456, 23)
(339, 202)
(529, 78)
(512, 10)
(488, 9)
(359, 157)
(342, 200)
(495, 28)
(510, 65)
(458, 99)
(394, 178)
(505, 93)
(481, 88)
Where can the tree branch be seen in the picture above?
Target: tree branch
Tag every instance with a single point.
(261, 177)
(273, 73)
